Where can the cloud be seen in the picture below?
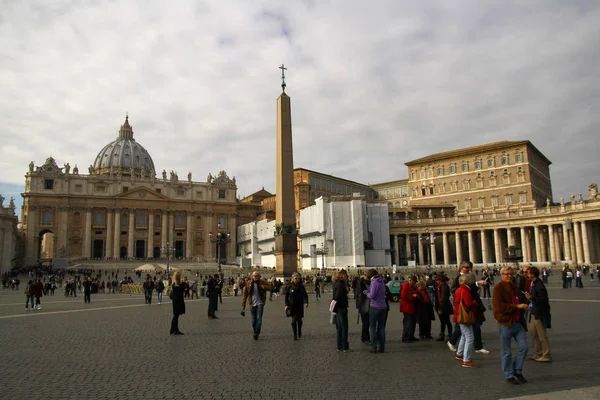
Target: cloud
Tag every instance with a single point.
(373, 85)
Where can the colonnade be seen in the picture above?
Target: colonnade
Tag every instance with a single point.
(569, 241)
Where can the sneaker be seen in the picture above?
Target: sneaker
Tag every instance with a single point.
(26, 309)
(451, 347)
(459, 358)
(469, 364)
(39, 307)
(482, 351)
(544, 359)
(512, 381)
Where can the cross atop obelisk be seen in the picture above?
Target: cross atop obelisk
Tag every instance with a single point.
(283, 69)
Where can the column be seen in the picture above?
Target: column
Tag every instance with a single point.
(150, 241)
(131, 234)
(471, 240)
(110, 221)
(544, 245)
(578, 246)
(538, 245)
(117, 234)
(164, 234)
(585, 243)
(497, 246)
(32, 232)
(171, 228)
(188, 239)
(231, 244)
(407, 248)
(397, 249)
(484, 248)
(420, 249)
(552, 243)
(510, 239)
(445, 246)
(432, 247)
(87, 235)
(459, 255)
(63, 241)
(208, 248)
(524, 245)
(560, 254)
(566, 243)
(572, 243)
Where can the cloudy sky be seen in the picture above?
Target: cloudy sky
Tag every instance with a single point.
(373, 84)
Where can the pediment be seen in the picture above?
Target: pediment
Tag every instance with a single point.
(141, 193)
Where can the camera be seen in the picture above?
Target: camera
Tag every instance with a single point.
(243, 313)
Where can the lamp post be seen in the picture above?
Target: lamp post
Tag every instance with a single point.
(168, 251)
(322, 251)
(427, 241)
(220, 238)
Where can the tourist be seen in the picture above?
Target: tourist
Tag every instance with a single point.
(340, 308)
(177, 296)
(213, 296)
(318, 288)
(443, 307)
(87, 290)
(408, 306)
(160, 288)
(38, 293)
(539, 319)
(362, 305)
(148, 288)
(378, 310)
(29, 289)
(509, 310)
(255, 294)
(424, 310)
(462, 296)
(296, 300)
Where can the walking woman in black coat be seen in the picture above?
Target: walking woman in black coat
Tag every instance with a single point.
(296, 300)
(177, 293)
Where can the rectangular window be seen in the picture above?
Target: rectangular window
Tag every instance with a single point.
(140, 220)
(78, 188)
(158, 191)
(481, 202)
(440, 171)
(180, 192)
(508, 200)
(495, 201)
(48, 184)
(221, 194)
(100, 188)
(125, 189)
(99, 219)
(452, 168)
(523, 198)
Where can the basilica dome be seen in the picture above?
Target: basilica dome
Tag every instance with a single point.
(124, 156)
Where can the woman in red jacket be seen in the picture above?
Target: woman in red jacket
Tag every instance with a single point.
(408, 299)
(463, 294)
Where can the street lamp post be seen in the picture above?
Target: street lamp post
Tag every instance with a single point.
(220, 238)
(426, 240)
(168, 251)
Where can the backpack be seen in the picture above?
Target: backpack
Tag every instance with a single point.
(28, 291)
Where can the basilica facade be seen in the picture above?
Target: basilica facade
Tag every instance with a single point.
(120, 209)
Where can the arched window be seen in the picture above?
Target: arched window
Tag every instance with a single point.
(157, 220)
(123, 220)
(99, 219)
(178, 221)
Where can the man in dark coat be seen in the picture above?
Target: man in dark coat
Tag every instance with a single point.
(362, 305)
(213, 296)
(539, 319)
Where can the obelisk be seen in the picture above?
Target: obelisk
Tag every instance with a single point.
(286, 242)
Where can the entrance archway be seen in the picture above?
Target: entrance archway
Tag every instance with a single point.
(46, 245)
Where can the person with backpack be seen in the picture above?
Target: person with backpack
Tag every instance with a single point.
(29, 289)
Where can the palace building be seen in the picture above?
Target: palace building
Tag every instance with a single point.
(120, 209)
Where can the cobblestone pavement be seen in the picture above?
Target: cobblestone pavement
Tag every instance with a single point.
(119, 348)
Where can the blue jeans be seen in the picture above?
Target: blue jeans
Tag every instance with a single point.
(509, 367)
(159, 295)
(341, 325)
(377, 318)
(465, 344)
(257, 314)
